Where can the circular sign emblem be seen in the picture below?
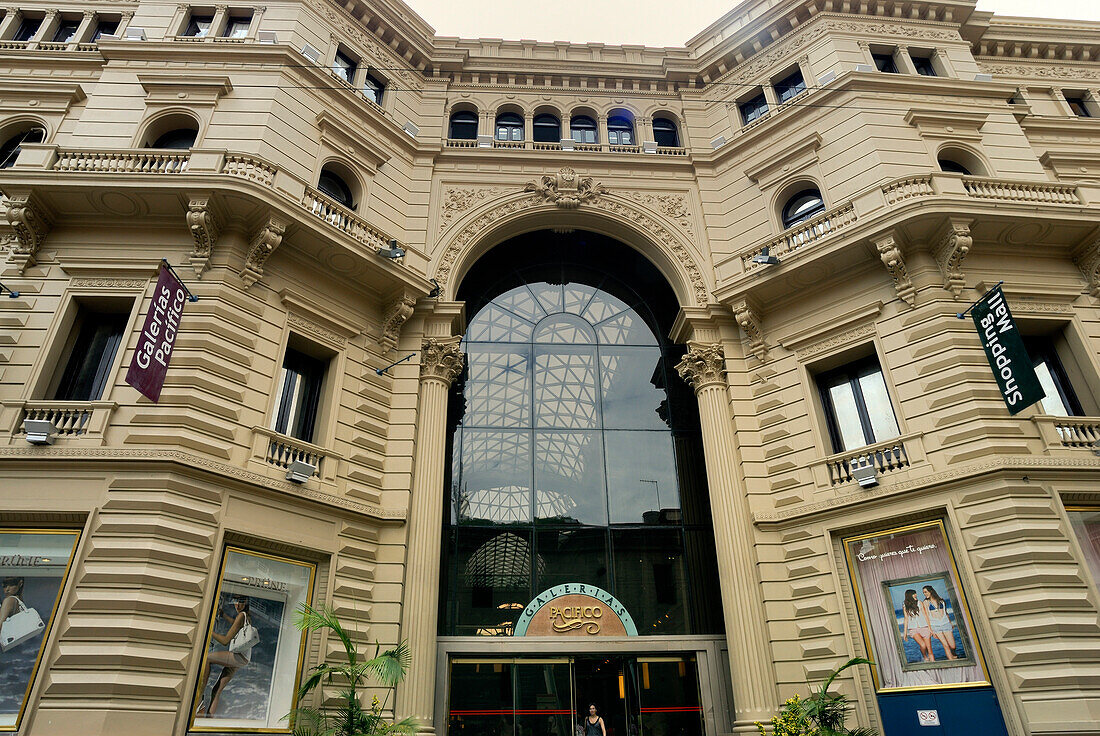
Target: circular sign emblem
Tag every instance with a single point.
(575, 609)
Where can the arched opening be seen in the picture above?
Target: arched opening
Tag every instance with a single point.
(801, 206)
(333, 182)
(509, 127)
(664, 132)
(10, 150)
(583, 129)
(174, 132)
(620, 130)
(955, 160)
(463, 125)
(546, 128)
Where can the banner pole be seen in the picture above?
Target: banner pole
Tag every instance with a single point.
(190, 297)
(962, 315)
(12, 294)
(382, 371)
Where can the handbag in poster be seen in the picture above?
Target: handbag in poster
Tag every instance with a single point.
(246, 638)
(20, 627)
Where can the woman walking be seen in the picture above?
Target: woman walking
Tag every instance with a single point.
(593, 723)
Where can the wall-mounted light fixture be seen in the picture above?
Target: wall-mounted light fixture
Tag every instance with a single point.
(39, 431)
(299, 471)
(764, 258)
(393, 252)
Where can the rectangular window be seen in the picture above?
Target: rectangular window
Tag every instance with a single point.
(66, 29)
(344, 66)
(95, 338)
(237, 26)
(253, 655)
(299, 395)
(33, 564)
(923, 65)
(885, 63)
(790, 86)
(104, 28)
(1060, 399)
(199, 26)
(373, 89)
(27, 28)
(753, 109)
(1079, 105)
(857, 405)
(1086, 525)
(915, 621)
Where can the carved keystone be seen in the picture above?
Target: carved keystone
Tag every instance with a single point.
(565, 190)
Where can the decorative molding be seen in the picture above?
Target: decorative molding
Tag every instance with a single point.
(264, 243)
(396, 314)
(456, 201)
(1087, 258)
(30, 223)
(889, 250)
(352, 30)
(703, 365)
(951, 251)
(748, 319)
(1028, 69)
(204, 228)
(848, 337)
(673, 206)
(565, 189)
(108, 283)
(441, 360)
(835, 322)
(312, 328)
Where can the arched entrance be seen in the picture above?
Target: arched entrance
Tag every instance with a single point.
(576, 466)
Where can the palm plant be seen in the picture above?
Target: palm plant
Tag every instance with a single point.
(347, 717)
(821, 714)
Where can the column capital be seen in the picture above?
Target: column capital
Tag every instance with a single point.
(703, 365)
(441, 359)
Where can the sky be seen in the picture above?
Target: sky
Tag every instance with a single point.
(646, 22)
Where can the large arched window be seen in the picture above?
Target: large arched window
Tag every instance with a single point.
(546, 128)
(575, 446)
(332, 184)
(9, 152)
(464, 125)
(620, 131)
(509, 127)
(583, 129)
(664, 131)
(802, 206)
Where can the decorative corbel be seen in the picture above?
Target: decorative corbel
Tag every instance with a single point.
(1087, 258)
(30, 223)
(889, 250)
(950, 252)
(748, 319)
(396, 314)
(264, 243)
(204, 229)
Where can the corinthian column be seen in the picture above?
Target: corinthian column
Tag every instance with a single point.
(751, 671)
(440, 363)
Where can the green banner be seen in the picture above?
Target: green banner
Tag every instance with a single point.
(1005, 351)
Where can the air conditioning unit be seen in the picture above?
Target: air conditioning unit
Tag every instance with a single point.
(866, 68)
(718, 142)
(133, 33)
(267, 37)
(649, 146)
(311, 53)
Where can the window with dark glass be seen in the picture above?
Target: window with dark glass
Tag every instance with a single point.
(9, 152)
(178, 139)
(373, 87)
(923, 65)
(620, 131)
(858, 409)
(94, 342)
(198, 26)
(664, 131)
(509, 127)
(237, 26)
(333, 185)
(546, 128)
(753, 108)
(950, 166)
(299, 394)
(1079, 106)
(790, 86)
(66, 29)
(104, 28)
(802, 207)
(885, 63)
(1060, 400)
(27, 28)
(575, 449)
(344, 66)
(464, 125)
(582, 129)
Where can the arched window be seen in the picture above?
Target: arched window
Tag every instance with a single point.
(546, 128)
(464, 125)
(583, 129)
(620, 131)
(802, 206)
(664, 131)
(951, 166)
(333, 185)
(509, 127)
(177, 139)
(9, 152)
(575, 446)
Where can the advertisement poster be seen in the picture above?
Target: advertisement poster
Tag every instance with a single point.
(912, 610)
(33, 566)
(253, 651)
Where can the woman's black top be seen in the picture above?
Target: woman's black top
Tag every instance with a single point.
(592, 729)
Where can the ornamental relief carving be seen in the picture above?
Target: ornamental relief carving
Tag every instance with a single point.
(1031, 69)
(457, 200)
(393, 64)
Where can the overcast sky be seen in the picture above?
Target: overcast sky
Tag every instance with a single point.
(648, 22)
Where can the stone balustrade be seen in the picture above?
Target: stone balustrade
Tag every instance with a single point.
(803, 234)
(85, 421)
(343, 219)
(1074, 433)
(278, 451)
(887, 458)
(138, 161)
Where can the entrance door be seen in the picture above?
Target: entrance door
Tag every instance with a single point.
(603, 681)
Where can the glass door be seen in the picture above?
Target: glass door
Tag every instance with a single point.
(668, 696)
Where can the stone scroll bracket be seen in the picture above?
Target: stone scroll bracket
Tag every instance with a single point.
(748, 317)
(30, 221)
(950, 251)
(266, 239)
(889, 247)
(205, 225)
(396, 314)
(1087, 257)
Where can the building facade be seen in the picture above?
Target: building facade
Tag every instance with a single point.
(598, 374)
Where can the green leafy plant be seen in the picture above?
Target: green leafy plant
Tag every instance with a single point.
(821, 714)
(347, 716)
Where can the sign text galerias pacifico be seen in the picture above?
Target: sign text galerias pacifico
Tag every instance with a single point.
(158, 336)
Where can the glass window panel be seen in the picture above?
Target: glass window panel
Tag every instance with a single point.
(565, 387)
(571, 556)
(543, 698)
(253, 685)
(494, 481)
(93, 353)
(879, 409)
(1086, 525)
(65, 31)
(569, 478)
(564, 329)
(496, 324)
(701, 567)
(847, 416)
(481, 700)
(625, 328)
(1052, 403)
(650, 579)
(669, 696)
(522, 302)
(299, 395)
(603, 306)
(493, 570)
(27, 28)
(35, 564)
(498, 389)
(641, 478)
(576, 297)
(549, 296)
(631, 380)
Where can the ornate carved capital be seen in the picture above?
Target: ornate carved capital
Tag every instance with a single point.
(1087, 258)
(441, 360)
(565, 189)
(889, 250)
(264, 243)
(30, 222)
(748, 319)
(950, 252)
(204, 229)
(703, 365)
(396, 314)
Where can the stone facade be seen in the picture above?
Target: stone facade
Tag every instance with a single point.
(158, 491)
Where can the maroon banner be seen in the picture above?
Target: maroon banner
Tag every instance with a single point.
(154, 349)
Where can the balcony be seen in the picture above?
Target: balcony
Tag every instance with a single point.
(273, 450)
(79, 422)
(1072, 434)
(890, 459)
(679, 151)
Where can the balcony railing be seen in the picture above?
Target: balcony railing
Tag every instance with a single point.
(1069, 432)
(803, 234)
(278, 451)
(907, 188)
(671, 151)
(251, 168)
(461, 143)
(888, 457)
(83, 420)
(343, 219)
(546, 146)
(125, 162)
(1020, 191)
(509, 144)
